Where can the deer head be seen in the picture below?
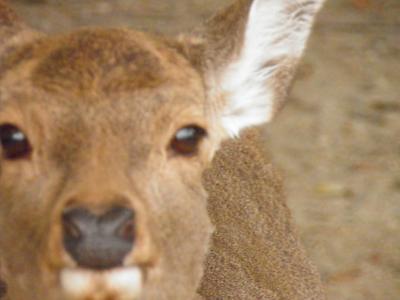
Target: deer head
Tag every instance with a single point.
(105, 134)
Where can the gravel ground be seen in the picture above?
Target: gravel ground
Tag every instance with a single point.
(337, 141)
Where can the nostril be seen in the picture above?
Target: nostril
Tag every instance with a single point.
(127, 231)
(3, 289)
(98, 241)
(116, 220)
(70, 229)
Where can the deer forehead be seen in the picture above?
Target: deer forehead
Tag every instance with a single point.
(102, 65)
(121, 80)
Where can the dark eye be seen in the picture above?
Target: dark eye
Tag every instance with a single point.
(186, 140)
(14, 142)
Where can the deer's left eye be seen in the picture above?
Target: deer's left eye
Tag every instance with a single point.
(187, 140)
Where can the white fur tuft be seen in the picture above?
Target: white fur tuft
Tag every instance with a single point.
(127, 282)
(124, 283)
(276, 29)
(76, 284)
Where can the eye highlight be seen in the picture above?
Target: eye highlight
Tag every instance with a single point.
(187, 139)
(14, 142)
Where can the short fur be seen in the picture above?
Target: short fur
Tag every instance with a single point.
(100, 107)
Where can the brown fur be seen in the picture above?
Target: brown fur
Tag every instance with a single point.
(100, 107)
(255, 253)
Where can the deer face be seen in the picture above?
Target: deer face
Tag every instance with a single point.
(104, 140)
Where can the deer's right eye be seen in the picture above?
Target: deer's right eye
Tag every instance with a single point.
(14, 142)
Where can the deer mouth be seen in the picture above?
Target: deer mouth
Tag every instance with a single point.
(125, 283)
(101, 256)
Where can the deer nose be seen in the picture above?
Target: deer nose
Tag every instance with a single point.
(98, 241)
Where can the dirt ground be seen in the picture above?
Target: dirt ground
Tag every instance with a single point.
(337, 141)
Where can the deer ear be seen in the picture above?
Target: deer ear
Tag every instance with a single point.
(248, 54)
(12, 30)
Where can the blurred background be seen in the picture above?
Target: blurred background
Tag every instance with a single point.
(337, 141)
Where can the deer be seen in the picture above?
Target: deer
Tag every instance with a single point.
(132, 164)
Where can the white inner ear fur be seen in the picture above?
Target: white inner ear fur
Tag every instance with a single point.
(276, 29)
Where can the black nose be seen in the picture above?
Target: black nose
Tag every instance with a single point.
(98, 241)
